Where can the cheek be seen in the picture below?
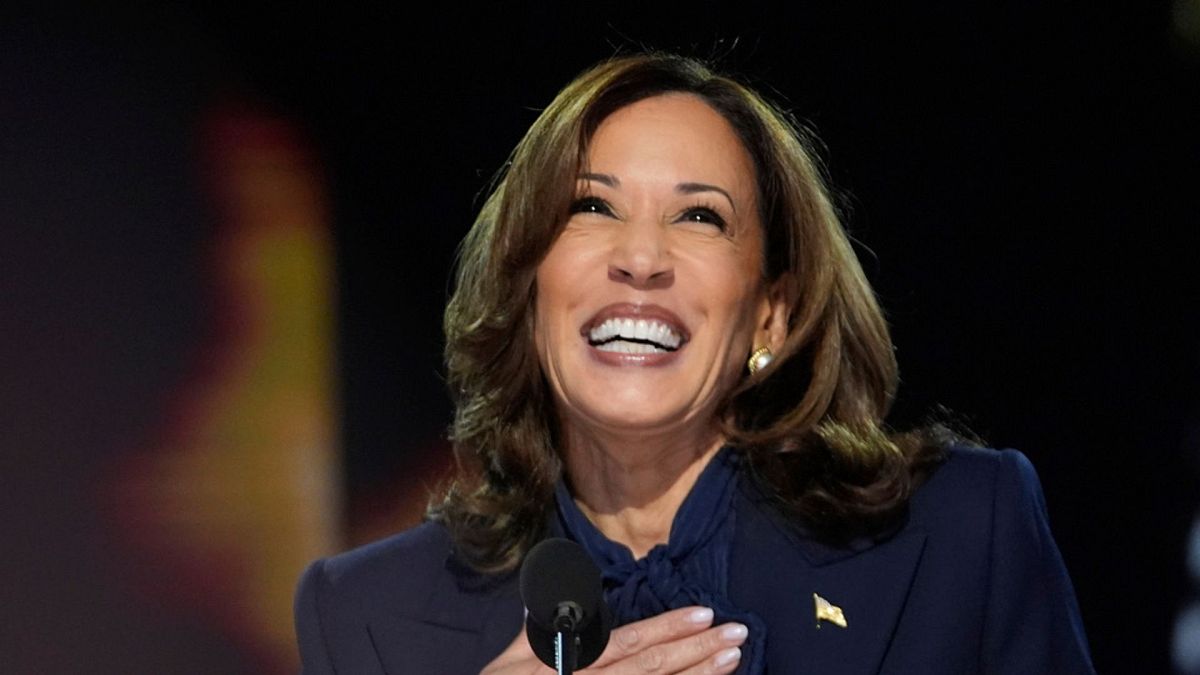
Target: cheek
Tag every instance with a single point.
(745, 309)
(541, 319)
(744, 329)
(552, 300)
(740, 288)
(563, 275)
(539, 342)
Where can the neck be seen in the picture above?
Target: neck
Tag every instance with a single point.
(631, 488)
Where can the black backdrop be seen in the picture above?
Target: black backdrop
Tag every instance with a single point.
(1022, 184)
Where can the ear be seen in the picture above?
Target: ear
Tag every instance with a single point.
(774, 312)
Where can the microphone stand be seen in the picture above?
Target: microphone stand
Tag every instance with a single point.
(565, 640)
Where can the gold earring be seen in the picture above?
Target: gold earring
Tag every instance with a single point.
(761, 358)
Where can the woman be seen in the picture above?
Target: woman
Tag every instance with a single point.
(662, 346)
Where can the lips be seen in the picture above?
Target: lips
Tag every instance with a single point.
(635, 329)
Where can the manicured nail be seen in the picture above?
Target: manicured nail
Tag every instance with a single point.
(627, 637)
(727, 657)
(735, 632)
(702, 616)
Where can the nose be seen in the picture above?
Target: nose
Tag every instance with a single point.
(641, 256)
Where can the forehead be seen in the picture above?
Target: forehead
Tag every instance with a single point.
(675, 136)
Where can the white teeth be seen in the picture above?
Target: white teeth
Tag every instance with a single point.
(624, 347)
(635, 329)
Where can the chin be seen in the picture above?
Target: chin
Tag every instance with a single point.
(639, 413)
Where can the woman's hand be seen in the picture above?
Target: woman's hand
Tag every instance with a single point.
(679, 641)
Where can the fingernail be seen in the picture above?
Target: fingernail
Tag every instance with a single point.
(727, 657)
(702, 616)
(734, 633)
(627, 637)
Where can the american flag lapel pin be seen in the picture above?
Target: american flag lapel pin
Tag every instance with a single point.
(827, 611)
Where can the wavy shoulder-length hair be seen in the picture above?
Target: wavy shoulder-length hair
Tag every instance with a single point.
(810, 423)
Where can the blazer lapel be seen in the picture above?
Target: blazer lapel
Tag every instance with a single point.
(871, 588)
(775, 571)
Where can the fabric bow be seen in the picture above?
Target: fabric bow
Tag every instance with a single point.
(692, 568)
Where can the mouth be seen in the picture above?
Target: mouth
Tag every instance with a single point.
(635, 329)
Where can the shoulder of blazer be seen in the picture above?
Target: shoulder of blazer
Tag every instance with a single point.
(407, 601)
(402, 567)
(981, 493)
(989, 507)
(962, 489)
(415, 574)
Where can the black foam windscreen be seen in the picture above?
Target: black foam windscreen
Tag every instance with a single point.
(558, 572)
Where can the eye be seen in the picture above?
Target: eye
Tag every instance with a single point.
(704, 216)
(591, 205)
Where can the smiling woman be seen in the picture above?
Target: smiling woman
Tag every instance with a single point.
(653, 294)
(662, 347)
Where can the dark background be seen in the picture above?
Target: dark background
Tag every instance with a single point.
(1021, 183)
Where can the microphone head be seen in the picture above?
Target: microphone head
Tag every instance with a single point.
(557, 573)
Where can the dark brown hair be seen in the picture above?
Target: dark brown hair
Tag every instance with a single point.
(811, 423)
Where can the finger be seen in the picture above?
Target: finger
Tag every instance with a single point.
(723, 662)
(640, 635)
(715, 650)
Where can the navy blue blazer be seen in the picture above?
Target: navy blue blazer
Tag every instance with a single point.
(973, 583)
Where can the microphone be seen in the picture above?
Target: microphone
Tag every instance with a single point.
(568, 622)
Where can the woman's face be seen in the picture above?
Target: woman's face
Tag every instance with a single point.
(652, 296)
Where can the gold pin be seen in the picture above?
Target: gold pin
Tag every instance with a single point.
(827, 611)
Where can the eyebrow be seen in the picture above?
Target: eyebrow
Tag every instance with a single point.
(693, 188)
(601, 178)
(683, 188)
